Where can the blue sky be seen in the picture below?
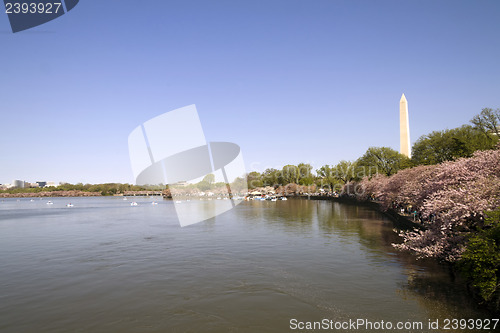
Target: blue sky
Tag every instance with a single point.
(289, 81)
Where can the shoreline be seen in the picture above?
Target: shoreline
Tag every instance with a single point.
(77, 193)
(400, 221)
(51, 194)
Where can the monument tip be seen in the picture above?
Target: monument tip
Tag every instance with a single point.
(403, 98)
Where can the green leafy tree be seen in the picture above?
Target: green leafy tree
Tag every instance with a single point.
(290, 174)
(207, 183)
(488, 121)
(254, 179)
(271, 177)
(481, 260)
(239, 186)
(450, 144)
(382, 160)
(305, 174)
(210, 178)
(338, 175)
(326, 177)
(345, 171)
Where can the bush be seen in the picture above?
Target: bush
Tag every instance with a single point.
(481, 260)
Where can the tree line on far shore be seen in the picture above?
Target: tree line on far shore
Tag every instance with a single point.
(103, 189)
(439, 146)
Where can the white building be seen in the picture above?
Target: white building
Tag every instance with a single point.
(16, 183)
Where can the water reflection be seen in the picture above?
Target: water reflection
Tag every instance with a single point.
(429, 283)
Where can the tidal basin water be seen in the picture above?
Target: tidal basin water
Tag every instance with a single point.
(104, 266)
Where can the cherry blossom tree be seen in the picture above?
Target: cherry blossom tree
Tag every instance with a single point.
(452, 196)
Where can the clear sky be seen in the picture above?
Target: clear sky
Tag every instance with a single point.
(289, 81)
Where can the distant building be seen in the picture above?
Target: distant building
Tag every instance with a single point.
(16, 183)
(52, 184)
(42, 184)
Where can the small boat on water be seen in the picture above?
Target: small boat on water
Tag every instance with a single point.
(283, 198)
(154, 203)
(50, 202)
(69, 205)
(133, 203)
(125, 198)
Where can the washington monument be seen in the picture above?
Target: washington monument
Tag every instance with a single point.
(404, 127)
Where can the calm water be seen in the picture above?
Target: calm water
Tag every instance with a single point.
(104, 266)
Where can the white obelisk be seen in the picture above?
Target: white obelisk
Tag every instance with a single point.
(404, 127)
